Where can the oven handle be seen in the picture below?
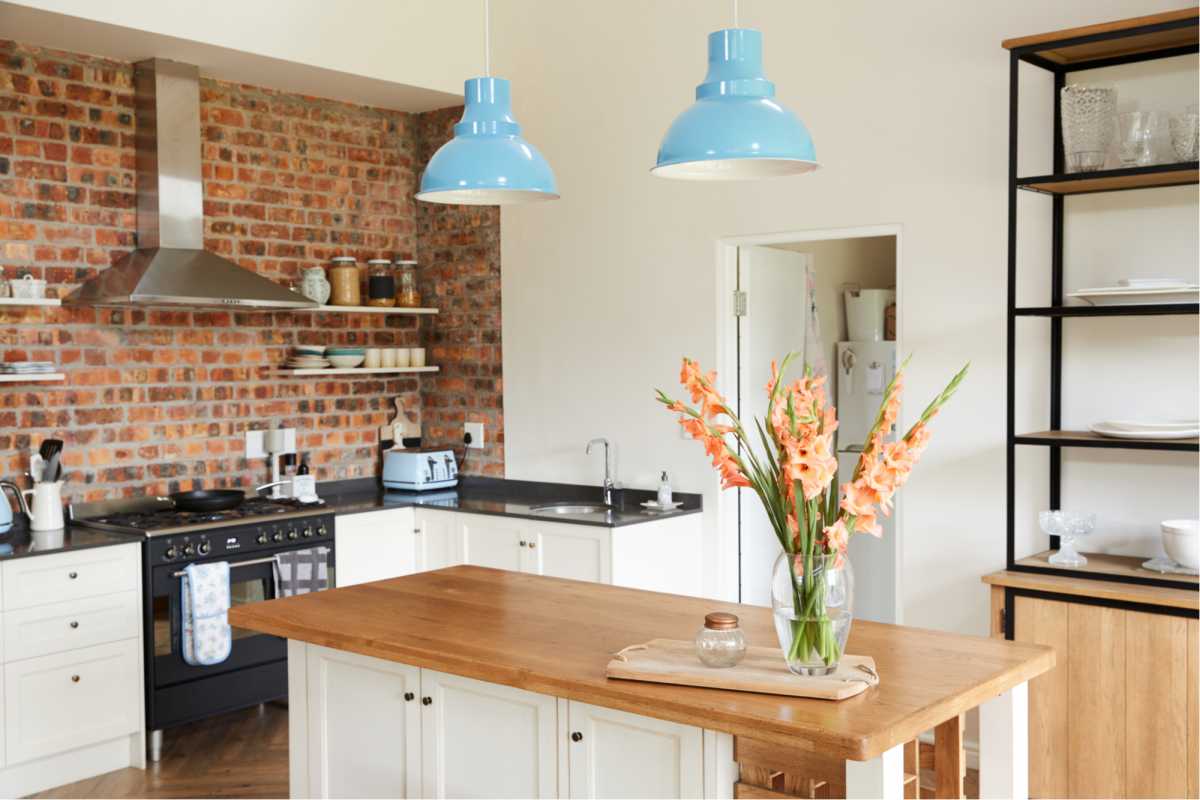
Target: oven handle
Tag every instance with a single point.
(234, 565)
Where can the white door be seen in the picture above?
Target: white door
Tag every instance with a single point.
(374, 546)
(579, 552)
(492, 542)
(437, 535)
(777, 308)
(486, 740)
(364, 726)
(617, 754)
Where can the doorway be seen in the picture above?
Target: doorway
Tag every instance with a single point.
(790, 295)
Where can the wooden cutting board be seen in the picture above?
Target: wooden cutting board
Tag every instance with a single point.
(762, 670)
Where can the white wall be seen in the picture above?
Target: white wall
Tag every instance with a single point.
(607, 288)
(867, 261)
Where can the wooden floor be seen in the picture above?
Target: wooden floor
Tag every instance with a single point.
(243, 754)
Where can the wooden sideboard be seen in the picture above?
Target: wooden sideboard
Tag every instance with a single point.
(1117, 716)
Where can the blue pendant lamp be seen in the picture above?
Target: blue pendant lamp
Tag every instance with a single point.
(735, 130)
(487, 163)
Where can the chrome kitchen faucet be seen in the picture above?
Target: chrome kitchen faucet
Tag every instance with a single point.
(609, 484)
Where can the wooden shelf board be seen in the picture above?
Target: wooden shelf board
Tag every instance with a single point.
(1097, 588)
(361, 371)
(368, 310)
(36, 377)
(19, 302)
(1049, 45)
(1130, 310)
(1089, 439)
(1114, 180)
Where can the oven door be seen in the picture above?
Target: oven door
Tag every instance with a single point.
(250, 582)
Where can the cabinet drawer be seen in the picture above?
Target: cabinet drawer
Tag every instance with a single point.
(59, 702)
(38, 580)
(54, 628)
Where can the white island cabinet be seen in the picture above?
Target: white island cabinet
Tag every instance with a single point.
(389, 543)
(375, 728)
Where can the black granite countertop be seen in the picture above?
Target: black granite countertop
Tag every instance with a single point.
(505, 498)
(21, 542)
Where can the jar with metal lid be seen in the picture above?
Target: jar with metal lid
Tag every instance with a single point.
(407, 295)
(381, 283)
(344, 282)
(720, 642)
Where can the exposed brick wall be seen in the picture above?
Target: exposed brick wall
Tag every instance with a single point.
(459, 250)
(157, 400)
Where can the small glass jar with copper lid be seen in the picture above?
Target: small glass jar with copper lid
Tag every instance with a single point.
(720, 642)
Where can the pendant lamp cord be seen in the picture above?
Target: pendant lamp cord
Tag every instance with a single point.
(735, 14)
(487, 38)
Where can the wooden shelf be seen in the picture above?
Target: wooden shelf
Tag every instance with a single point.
(1144, 310)
(368, 310)
(360, 371)
(34, 377)
(1114, 180)
(1038, 579)
(20, 301)
(1089, 439)
(1121, 39)
(1105, 564)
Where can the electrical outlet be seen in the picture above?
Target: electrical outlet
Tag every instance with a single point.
(475, 431)
(254, 445)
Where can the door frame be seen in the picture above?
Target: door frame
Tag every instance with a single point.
(728, 568)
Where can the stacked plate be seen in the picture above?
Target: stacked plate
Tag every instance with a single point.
(306, 358)
(1141, 291)
(27, 367)
(1133, 429)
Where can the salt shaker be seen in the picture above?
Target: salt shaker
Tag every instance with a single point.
(720, 642)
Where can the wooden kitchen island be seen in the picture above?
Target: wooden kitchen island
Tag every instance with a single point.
(473, 682)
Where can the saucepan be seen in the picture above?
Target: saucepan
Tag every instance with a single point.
(208, 499)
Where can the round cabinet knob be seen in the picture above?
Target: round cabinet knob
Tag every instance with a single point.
(204, 548)
(74, 623)
(189, 549)
(576, 736)
(425, 701)
(170, 553)
(408, 696)
(74, 679)
(72, 575)
(278, 537)
(524, 543)
(308, 532)
(262, 538)
(532, 545)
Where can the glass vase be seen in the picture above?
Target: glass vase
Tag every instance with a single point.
(813, 601)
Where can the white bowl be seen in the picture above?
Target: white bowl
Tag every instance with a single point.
(346, 362)
(1181, 540)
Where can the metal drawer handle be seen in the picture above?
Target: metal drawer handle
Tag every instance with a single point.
(72, 575)
(74, 623)
(74, 679)
(532, 545)
(425, 701)
(576, 737)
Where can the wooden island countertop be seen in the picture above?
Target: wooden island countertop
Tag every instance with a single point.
(555, 637)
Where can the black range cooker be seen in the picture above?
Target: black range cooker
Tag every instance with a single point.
(248, 537)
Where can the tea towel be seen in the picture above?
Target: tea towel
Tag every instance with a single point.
(301, 571)
(207, 637)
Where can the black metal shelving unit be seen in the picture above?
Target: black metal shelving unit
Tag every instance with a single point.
(1122, 44)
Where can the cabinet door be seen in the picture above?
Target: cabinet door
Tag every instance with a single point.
(486, 740)
(492, 542)
(1156, 709)
(364, 726)
(374, 546)
(580, 552)
(618, 754)
(437, 536)
(1045, 622)
(1096, 701)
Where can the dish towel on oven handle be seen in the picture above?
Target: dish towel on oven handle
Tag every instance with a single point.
(207, 637)
(301, 571)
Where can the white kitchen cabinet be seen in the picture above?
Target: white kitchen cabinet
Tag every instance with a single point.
(486, 740)
(498, 542)
(374, 546)
(55, 627)
(437, 540)
(70, 575)
(580, 552)
(349, 695)
(616, 754)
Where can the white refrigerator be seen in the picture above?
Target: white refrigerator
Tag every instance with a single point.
(862, 370)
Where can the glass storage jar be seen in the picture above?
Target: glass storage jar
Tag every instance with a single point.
(407, 295)
(381, 283)
(344, 282)
(720, 642)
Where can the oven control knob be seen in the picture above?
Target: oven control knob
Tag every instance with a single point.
(189, 550)
(292, 533)
(321, 530)
(262, 538)
(308, 532)
(170, 554)
(278, 536)
(204, 548)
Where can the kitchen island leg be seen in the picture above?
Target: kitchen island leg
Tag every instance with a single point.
(881, 777)
(1004, 745)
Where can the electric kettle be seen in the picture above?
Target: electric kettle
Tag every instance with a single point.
(6, 512)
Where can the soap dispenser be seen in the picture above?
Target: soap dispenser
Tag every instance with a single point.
(664, 491)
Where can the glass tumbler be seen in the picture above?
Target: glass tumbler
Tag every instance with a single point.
(1185, 134)
(1088, 116)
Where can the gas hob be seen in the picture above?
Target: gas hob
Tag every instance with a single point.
(157, 516)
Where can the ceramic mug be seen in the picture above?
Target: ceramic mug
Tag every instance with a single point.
(374, 358)
(418, 356)
(403, 357)
(387, 357)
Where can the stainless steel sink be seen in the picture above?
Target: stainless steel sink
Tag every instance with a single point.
(570, 509)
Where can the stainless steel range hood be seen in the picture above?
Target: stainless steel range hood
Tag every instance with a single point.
(171, 266)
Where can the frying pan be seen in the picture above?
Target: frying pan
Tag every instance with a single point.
(208, 499)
